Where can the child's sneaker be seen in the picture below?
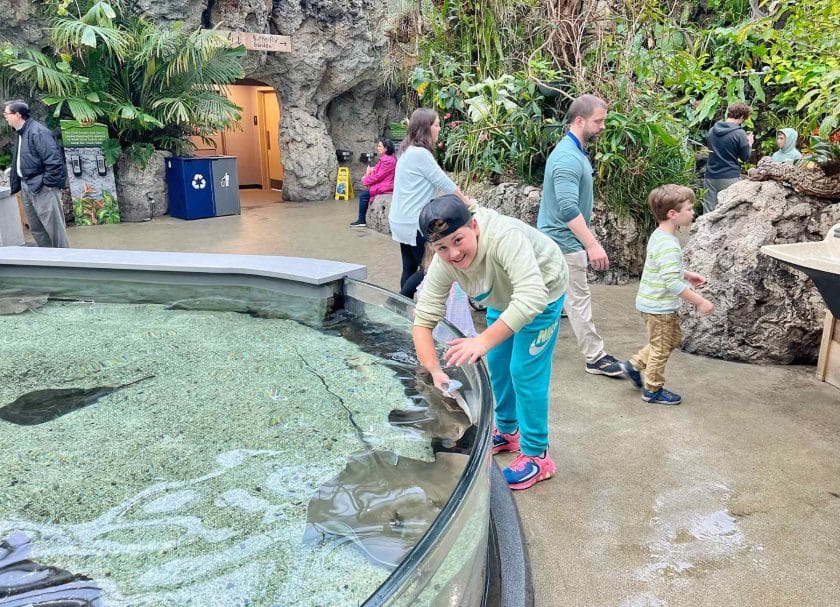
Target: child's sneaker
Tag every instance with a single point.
(631, 373)
(505, 442)
(527, 470)
(606, 365)
(661, 397)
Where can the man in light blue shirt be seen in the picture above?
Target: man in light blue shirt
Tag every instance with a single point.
(565, 213)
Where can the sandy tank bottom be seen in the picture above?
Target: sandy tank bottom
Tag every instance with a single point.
(190, 487)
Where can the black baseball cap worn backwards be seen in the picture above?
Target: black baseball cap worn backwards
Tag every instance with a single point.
(449, 209)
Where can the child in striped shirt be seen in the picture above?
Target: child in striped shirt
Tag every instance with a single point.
(660, 291)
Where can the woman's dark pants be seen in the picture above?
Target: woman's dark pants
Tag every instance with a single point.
(364, 199)
(412, 266)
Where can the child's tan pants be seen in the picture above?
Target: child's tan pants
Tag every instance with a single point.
(663, 336)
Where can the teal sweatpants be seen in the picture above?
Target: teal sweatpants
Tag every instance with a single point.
(520, 372)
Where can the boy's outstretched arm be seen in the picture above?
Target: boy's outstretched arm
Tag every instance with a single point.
(704, 306)
(470, 349)
(424, 346)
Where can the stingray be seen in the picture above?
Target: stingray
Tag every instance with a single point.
(41, 406)
(24, 582)
(13, 301)
(382, 502)
(434, 415)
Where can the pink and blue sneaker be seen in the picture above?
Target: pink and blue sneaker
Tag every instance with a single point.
(527, 470)
(505, 442)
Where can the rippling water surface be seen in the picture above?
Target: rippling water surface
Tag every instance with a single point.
(191, 486)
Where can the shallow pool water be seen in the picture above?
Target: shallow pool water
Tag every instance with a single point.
(189, 484)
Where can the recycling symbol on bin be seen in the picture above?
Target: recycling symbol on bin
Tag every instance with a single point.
(198, 182)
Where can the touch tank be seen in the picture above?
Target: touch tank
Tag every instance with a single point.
(206, 430)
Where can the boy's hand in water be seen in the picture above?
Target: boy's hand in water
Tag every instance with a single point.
(441, 379)
(464, 350)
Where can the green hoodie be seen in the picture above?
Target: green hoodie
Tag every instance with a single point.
(788, 153)
(516, 268)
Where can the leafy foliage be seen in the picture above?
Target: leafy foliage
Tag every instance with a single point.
(668, 72)
(90, 210)
(153, 87)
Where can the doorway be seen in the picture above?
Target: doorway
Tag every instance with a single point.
(254, 140)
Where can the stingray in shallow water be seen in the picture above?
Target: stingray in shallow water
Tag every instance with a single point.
(41, 406)
(433, 414)
(25, 583)
(13, 301)
(382, 502)
(434, 417)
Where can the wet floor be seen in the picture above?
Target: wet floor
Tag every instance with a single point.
(729, 499)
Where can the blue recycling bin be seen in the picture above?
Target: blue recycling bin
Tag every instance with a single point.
(202, 187)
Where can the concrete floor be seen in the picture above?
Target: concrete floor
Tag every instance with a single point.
(731, 499)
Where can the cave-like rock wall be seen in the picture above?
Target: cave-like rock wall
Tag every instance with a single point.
(329, 85)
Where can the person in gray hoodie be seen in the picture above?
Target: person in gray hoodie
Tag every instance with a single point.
(729, 146)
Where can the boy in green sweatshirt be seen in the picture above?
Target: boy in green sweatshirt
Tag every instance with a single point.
(660, 291)
(521, 275)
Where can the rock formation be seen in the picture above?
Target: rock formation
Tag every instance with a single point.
(812, 181)
(766, 311)
(621, 236)
(377, 213)
(141, 193)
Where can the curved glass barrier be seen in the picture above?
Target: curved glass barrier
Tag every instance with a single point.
(221, 440)
(447, 566)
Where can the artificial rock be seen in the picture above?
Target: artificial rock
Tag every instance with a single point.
(620, 236)
(765, 311)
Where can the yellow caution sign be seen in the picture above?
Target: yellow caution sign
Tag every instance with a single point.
(343, 184)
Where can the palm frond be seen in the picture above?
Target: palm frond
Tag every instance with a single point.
(38, 71)
(173, 110)
(68, 33)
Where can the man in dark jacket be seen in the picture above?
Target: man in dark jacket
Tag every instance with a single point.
(38, 172)
(728, 145)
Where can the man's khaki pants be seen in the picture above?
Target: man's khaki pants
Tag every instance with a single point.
(578, 307)
(45, 216)
(663, 336)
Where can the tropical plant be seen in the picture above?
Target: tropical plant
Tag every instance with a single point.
(89, 210)
(154, 87)
(635, 154)
(826, 153)
(502, 133)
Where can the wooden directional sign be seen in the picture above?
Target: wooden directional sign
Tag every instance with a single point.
(259, 42)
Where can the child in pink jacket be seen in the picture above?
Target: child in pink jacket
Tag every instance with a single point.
(378, 179)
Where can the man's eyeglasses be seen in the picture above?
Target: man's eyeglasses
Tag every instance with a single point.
(9, 113)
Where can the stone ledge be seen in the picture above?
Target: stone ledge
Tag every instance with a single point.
(297, 269)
